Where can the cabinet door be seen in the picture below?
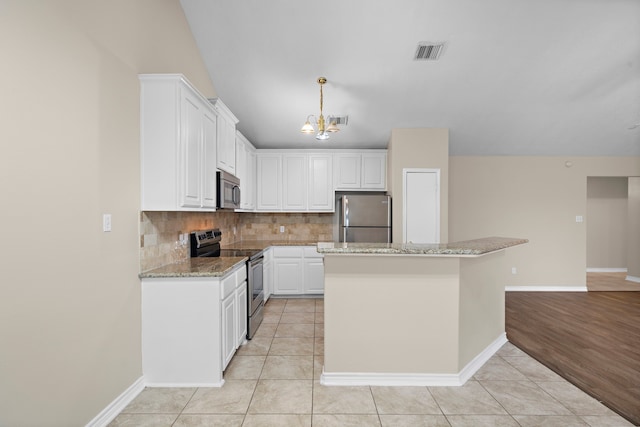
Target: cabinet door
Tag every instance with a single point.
(242, 169)
(241, 314)
(287, 277)
(190, 152)
(294, 182)
(251, 177)
(313, 276)
(230, 147)
(209, 160)
(320, 191)
(226, 144)
(267, 274)
(374, 171)
(228, 331)
(347, 170)
(269, 181)
(177, 145)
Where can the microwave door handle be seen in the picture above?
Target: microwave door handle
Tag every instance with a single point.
(236, 195)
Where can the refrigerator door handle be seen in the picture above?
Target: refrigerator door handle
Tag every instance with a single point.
(345, 211)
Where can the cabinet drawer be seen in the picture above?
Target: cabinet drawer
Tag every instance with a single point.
(311, 252)
(228, 285)
(287, 252)
(241, 275)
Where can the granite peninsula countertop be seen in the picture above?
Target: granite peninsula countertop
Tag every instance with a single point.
(469, 248)
(217, 267)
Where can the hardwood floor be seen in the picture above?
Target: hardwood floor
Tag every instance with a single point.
(592, 339)
(610, 282)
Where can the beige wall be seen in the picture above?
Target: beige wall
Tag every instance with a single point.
(407, 306)
(536, 198)
(481, 308)
(400, 303)
(606, 222)
(633, 249)
(418, 148)
(70, 313)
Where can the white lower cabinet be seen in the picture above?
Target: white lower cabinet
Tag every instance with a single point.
(297, 270)
(190, 328)
(287, 276)
(267, 274)
(313, 271)
(228, 331)
(234, 314)
(241, 313)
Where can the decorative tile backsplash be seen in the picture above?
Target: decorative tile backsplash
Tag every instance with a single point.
(297, 226)
(160, 231)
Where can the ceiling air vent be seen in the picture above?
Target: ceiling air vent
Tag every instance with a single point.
(340, 120)
(427, 51)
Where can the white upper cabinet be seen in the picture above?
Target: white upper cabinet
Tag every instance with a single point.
(178, 133)
(347, 167)
(374, 171)
(361, 170)
(294, 181)
(269, 182)
(246, 171)
(226, 137)
(209, 159)
(319, 189)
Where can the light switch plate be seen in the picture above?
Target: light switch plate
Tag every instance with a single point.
(106, 222)
(579, 218)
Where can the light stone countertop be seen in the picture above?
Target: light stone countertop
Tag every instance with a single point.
(196, 267)
(263, 244)
(220, 266)
(471, 248)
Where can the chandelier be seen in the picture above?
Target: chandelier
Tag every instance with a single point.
(322, 132)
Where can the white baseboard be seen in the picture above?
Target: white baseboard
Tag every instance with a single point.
(194, 385)
(114, 408)
(606, 270)
(633, 279)
(545, 289)
(482, 358)
(396, 380)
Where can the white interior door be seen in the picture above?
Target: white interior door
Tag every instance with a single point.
(421, 205)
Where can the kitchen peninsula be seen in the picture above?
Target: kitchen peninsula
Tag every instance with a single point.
(405, 314)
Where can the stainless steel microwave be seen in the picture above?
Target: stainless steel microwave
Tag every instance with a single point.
(228, 190)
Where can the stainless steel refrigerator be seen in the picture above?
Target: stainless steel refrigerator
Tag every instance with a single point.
(365, 218)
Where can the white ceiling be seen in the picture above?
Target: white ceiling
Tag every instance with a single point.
(517, 77)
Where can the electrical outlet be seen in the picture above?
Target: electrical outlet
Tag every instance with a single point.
(514, 270)
(282, 228)
(579, 218)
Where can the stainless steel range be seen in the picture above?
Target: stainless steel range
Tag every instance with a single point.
(206, 243)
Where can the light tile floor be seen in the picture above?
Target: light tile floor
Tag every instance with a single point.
(273, 380)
